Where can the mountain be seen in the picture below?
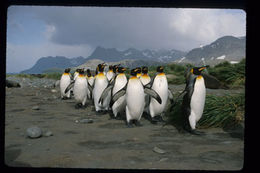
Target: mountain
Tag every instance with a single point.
(58, 62)
(129, 63)
(227, 48)
(114, 55)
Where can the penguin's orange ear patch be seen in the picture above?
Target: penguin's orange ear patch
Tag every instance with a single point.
(191, 70)
(199, 77)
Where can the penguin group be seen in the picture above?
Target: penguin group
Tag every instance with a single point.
(129, 98)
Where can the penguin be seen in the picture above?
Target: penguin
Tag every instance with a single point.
(100, 84)
(139, 70)
(119, 83)
(76, 73)
(145, 79)
(134, 95)
(90, 80)
(80, 89)
(110, 74)
(64, 83)
(160, 85)
(194, 100)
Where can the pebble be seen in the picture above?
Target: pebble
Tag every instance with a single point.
(53, 91)
(158, 150)
(34, 132)
(84, 121)
(35, 108)
(48, 133)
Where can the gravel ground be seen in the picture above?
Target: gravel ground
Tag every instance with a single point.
(79, 138)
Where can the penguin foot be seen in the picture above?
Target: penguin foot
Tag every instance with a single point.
(154, 120)
(196, 132)
(137, 123)
(129, 124)
(77, 106)
(100, 112)
(159, 118)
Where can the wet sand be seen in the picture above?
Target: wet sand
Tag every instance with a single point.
(106, 143)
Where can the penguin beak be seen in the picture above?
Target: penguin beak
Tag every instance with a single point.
(202, 68)
(124, 69)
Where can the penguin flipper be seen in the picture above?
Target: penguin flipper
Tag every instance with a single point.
(116, 96)
(104, 93)
(153, 93)
(90, 87)
(69, 86)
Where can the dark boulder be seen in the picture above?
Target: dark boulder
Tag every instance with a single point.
(11, 84)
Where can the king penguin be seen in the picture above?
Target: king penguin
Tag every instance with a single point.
(90, 80)
(194, 100)
(81, 89)
(100, 84)
(160, 85)
(110, 74)
(134, 95)
(119, 83)
(64, 83)
(145, 79)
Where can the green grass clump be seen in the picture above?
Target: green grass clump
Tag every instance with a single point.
(230, 74)
(219, 111)
(223, 111)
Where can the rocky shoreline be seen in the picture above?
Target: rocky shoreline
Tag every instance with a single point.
(78, 138)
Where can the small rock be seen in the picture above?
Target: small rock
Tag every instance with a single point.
(35, 108)
(48, 133)
(53, 91)
(163, 159)
(34, 132)
(84, 121)
(158, 150)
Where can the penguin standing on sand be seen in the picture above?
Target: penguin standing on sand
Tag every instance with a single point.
(100, 84)
(145, 79)
(160, 85)
(194, 100)
(90, 80)
(80, 89)
(134, 92)
(138, 72)
(64, 83)
(76, 73)
(119, 83)
(110, 74)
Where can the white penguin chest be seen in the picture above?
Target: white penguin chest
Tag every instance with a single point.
(120, 82)
(198, 98)
(160, 85)
(135, 94)
(64, 82)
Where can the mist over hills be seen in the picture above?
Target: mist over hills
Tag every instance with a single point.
(227, 48)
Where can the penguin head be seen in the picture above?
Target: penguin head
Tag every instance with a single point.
(134, 72)
(159, 69)
(139, 70)
(77, 70)
(198, 70)
(115, 67)
(110, 67)
(121, 69)
(101, 67)
(67, 70)
(81, 71)
(88, 73)
(144, 70)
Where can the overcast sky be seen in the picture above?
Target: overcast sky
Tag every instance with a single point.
(37, 31)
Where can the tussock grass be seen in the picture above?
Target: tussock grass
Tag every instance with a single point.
(219, 111)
